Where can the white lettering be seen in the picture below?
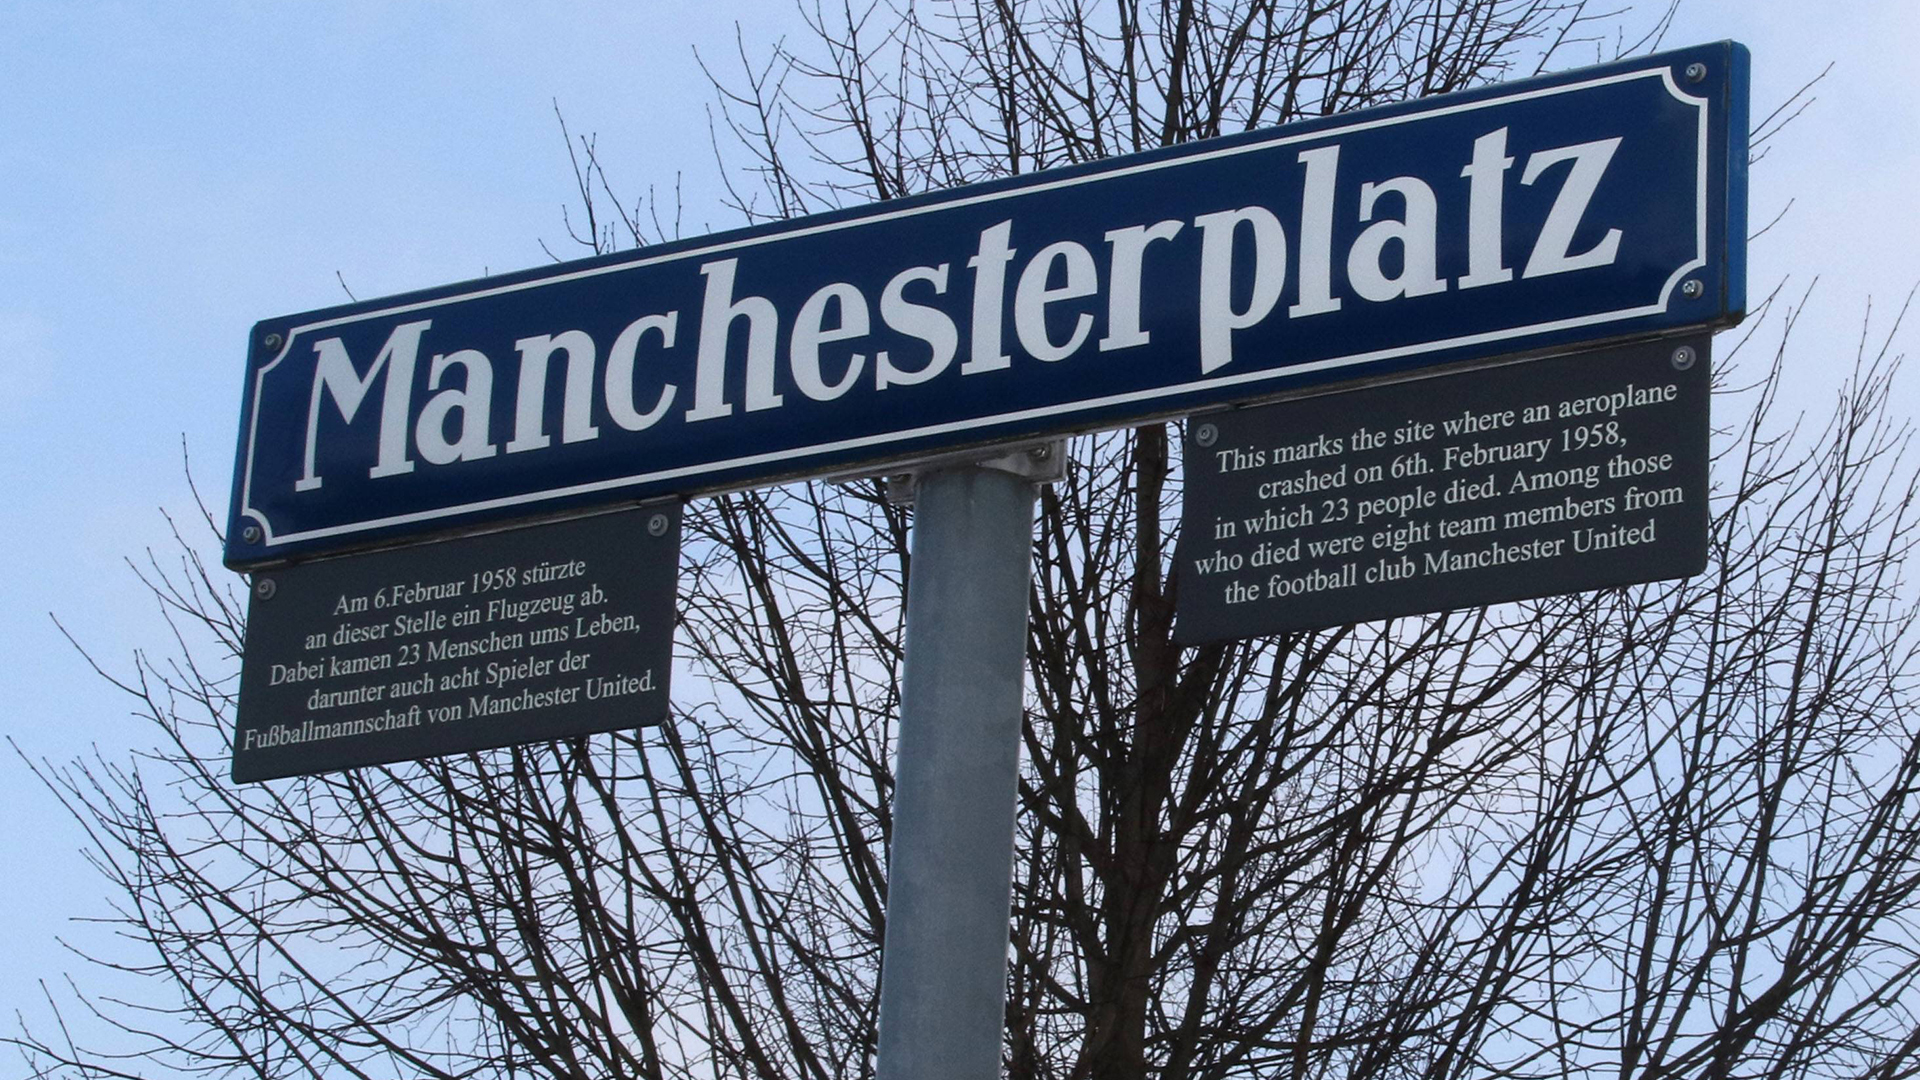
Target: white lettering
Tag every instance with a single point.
(473, 402)
(619, 377)
(718, 311)
(1419, 260)
(1033, 294)
(930, 325)
(1316, 233)
(989, 266)
(1218, 319)
(1552, 252)
(1123, 290)
(529, 407)
(810, 332)
(1485, 176)
(334, 374)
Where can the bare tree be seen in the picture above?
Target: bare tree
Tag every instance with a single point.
(1660, 831)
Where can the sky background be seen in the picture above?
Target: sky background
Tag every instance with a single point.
(170, 173)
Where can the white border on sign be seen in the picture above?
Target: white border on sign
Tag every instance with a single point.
(1664, 73)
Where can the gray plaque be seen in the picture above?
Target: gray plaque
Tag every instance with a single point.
(499, 639)
(1525, 480)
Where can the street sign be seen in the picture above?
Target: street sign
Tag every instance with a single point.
(1504, 483)
(498, 639)
(1606, 203)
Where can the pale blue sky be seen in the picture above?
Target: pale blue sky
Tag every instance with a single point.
(171, 173)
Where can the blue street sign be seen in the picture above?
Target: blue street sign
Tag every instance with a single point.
(1601, 204)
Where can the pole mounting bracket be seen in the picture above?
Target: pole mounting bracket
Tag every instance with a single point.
(1038, 463)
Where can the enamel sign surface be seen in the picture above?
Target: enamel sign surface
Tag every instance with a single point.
(1601, 204)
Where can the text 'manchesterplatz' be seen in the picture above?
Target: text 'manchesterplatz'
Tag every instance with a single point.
(1601, 204)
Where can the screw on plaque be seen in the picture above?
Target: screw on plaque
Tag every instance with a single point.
(1692, 289)
(1683, 357)
(251, 534)
(1696, 72)
(272, 342)
(1206, 434)
(1040, 453)
(657, 525)
(265, 588)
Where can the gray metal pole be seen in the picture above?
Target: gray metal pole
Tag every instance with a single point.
(943, 973)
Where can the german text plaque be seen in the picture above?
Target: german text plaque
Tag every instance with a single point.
(510, 637)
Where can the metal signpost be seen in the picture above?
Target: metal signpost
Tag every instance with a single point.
(956, 774)
(929, 335)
